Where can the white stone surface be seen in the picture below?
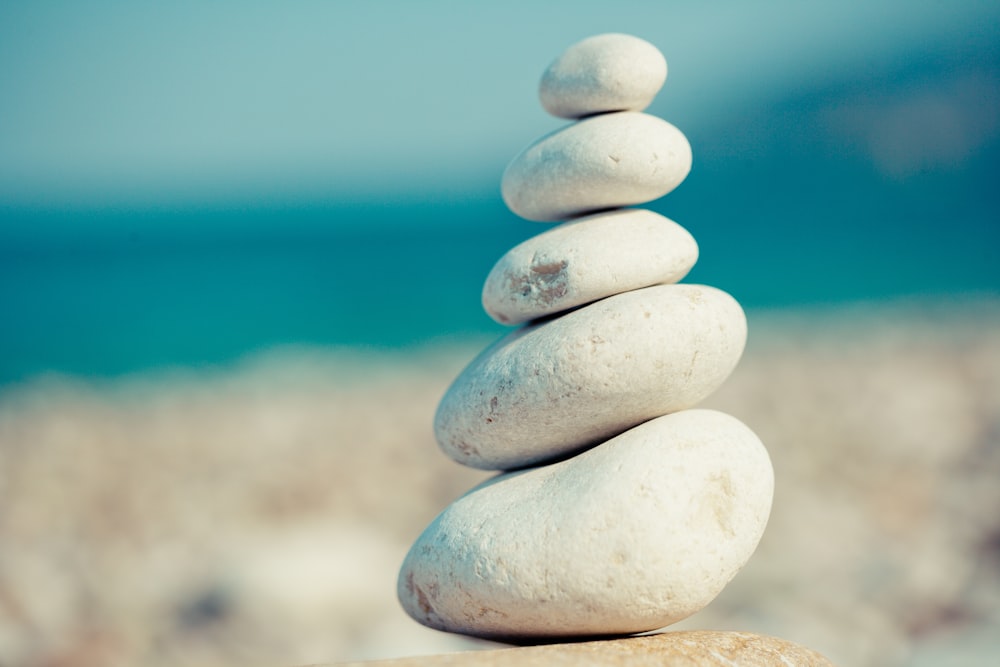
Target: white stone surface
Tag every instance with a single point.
(587, 259)
(629, 536)
(556, 387)
(607, 161)
(610, 72)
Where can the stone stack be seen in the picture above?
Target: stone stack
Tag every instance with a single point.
(622, 509)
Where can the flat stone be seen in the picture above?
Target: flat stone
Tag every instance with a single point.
(603, 162)
(611, 72)
(693, 648)
(632, 535)
(558, 386)
(587, 259)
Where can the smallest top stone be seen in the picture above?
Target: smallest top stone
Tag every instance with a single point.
(610, 72)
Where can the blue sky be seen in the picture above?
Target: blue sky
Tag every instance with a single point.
(139, 103)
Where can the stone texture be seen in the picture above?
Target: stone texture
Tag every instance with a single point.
(610, 72)
(603, 162)
(588, 259)
(632, 535)
(553, 388)
(695, 648)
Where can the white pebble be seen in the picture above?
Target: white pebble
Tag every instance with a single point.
(608, 161)
(632, 535)
(585, 260)
(554, 388)
(611, 72)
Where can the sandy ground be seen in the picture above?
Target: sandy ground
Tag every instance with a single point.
(257, 514)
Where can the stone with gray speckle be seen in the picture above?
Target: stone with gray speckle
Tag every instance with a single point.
(585, 260)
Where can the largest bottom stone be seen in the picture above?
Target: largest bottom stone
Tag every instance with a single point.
(632, 535)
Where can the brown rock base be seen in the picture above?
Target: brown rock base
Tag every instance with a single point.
(697, 648)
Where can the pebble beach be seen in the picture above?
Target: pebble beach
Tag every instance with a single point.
(257, 513)
(250, 412)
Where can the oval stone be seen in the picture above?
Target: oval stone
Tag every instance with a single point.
(587, 259)
(635, 534)
(611, 72)
(555, 387)
(607, 161)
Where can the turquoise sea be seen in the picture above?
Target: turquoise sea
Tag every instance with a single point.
(119, 292)
(873, 188)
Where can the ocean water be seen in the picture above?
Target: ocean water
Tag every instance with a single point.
(873, 189)
(159, 292)
(128, 301)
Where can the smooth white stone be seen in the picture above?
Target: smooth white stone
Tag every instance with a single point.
(608, 161)
(558, 386)
(632, 535)
(611, 72)
(587, 259)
